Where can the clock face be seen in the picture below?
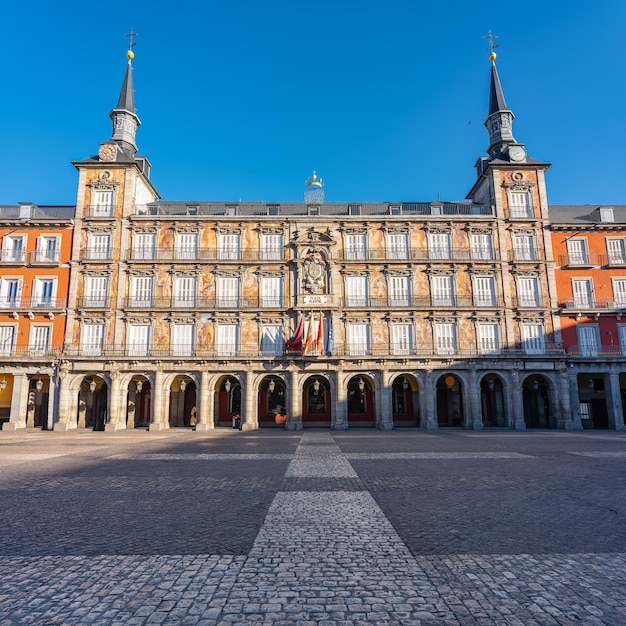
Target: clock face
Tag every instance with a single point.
(107, 152)
(517, 153)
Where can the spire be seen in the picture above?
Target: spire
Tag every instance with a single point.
(123, 116)
(499, 120)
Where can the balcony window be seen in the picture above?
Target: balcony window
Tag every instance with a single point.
(102, 203)
(524, 248)
(138, 341)
(577, 252)
(355, 247)
(272, 340)
(44, 292)
(619, 292)
(226, 340)
(399, 291)
(482, 246)
(439, 246)
(356, 291)
(10, 292)
(228, 291)
(99, 247)
(96, 289)
(358, 339)
(442, 290)
(182, 339)
(14, 248)
(271, 246)
(528, 292)
(397, 246)
(402, 339)
(8, 332)
(616, 251)
(92, 339)
(47, 249)
(582, 290)
(588, 339)
(185, 291)
(484, 291)
(271, 291)
(228, 246)
(520, 204)
(533, 338)
(143, 246)
(445, 338)
(186, 246)
(141, 291)
(39, 340)
(488, 338)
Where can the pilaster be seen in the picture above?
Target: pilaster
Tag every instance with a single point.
(207, 404)
(19, 403)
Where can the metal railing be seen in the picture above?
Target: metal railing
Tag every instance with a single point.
(595, 350)
(582, 259)
(35, 302)
(592, 304)
(45, 256)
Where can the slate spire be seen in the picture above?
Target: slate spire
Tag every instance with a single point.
(499, 122)
(123, 116)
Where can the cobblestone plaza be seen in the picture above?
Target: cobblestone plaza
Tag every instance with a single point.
(315, 527)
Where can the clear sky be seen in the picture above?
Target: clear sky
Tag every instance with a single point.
(242, 99)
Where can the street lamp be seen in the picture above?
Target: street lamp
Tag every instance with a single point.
(92, 386)
(405, 384)
(139, 386)
(3, 384)
(39, 385)
(491, 384)
(535, 385)
(271, 386)
(316, 386)
(591, 384)
(227, 385)
(183, 385)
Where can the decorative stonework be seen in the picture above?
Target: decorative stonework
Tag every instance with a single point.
(104, 182)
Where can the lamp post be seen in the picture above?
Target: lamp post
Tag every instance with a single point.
(3, 384)
(90, 400)
(181, 406)
(38, 398)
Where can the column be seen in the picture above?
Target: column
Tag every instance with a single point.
(294, 414)
(339, 420)
(206, 396)
(430, 418)
(114, 423)
(384, 410)
(158, 396)
(250, 419)
(19, 403)
(66, 419)
(614, 401)
(518, 401)
(572, 379)
(474, 401)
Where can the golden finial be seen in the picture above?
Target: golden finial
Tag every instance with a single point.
(314, 181)
(492, 47)
(131, 44)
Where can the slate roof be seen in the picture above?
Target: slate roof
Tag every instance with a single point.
(585, 213)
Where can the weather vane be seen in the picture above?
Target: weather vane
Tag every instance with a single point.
(131, 44)
(492, 46)
(133, 34)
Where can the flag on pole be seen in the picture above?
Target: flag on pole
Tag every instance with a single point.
(295, 341)
(308, 344)
(319, 344)
(329, 337)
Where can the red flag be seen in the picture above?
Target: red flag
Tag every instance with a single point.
(295, 341)
(308, 344)
(319, 344)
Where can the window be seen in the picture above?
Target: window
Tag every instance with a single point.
(99, 247)
(10, 292)
(143, 245)
(582, 289)
(439, 246)
(606, 214)
(185, 291)
(102, 203)
(397, 246)
(138, 339)
(14, 248)
(401, 338)
(616, 251)
(182, 339)
(354, 209)
(39, 341)
(442, 290)
(91, 341)
(577, 252)
(7, 339)
(228, 291)
(228, 246)
(47, 249)
(395, 210)
(232, 209)
(96, 291)
(271, 246)
(524, 248)
(313, 210)
(482, 248)
(358, 339)
(356, 290)
(520, 204)
(533, 338)
(186, 246)
(588, 339)
(44, 292)
(355, 247)
(619, 291)
(272, 340)
(272, 209)
(488, 338)
(140, 291)
(445, 338)
(484, 291)
(527, 292)
(398, 290)
(271, 291)
(226, 340)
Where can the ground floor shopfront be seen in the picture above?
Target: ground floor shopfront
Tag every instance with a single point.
(516, 395)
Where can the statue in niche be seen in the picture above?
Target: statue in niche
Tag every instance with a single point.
(315, 273)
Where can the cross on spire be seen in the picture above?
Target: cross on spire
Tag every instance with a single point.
(492, 46)
(132, 35)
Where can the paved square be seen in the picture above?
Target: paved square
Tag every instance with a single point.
(319, 527)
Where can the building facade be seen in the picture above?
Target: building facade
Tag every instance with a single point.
(338, 315)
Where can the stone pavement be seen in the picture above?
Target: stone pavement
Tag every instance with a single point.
(313, 528)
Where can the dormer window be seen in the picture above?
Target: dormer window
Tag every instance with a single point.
(313, 210)
(272, 209)
(606, 214)
(395, 210)
(354, 209)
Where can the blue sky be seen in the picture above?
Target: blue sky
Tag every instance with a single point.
(242, 99)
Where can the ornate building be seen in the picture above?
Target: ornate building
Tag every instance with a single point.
(320, 314)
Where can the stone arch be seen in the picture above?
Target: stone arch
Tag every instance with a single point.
(405, 408)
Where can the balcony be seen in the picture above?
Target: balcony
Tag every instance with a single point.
(95, 302)
(411, 254)
(523, 254)
(45, 257)
(37, 302)
(614, 259)
(591, 304)
(420, 302)
(99, 254)
(205, 254)
(595, 351)
(211, 304)
(530, 302)
(100, 211)
(13, 257)
(581, 259)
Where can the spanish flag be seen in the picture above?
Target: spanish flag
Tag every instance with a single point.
(319, 344)
(308, 344)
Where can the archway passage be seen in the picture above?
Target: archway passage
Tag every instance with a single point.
(360, 403)
(93, 407)
(492, 401)
(182, 402)
(537, 412)
(38, 395)
(594, 412)
(403, 402)
(449, 401)
(139, 407)
(228, 403)
(316, 403)
(272, 403)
